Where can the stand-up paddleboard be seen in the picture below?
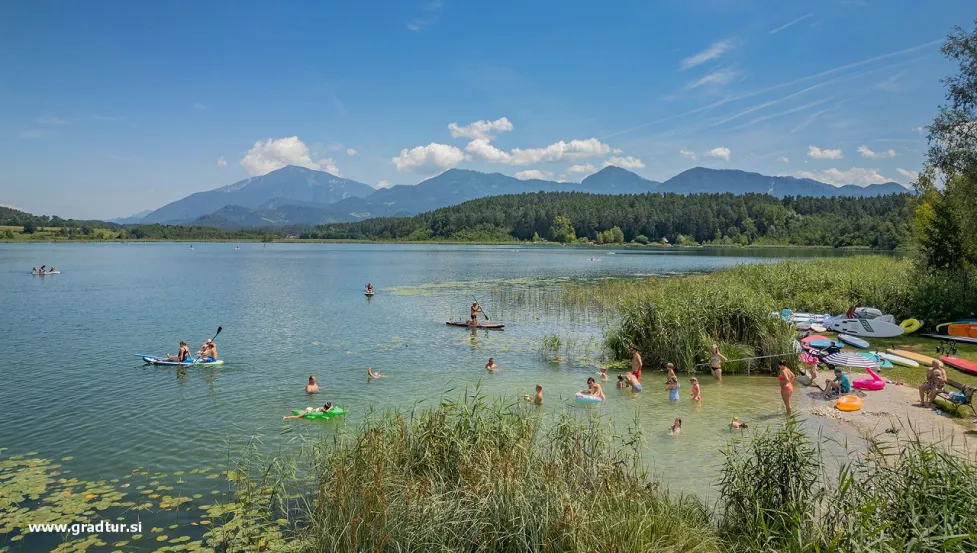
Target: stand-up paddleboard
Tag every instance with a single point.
(490, 326)
(917, 357)
(883, 363)
(803, 325)
(866, 328)
(959, 330)
(945, 338)
(944, 328)
(961, 364)
(853, 341)
(816, 341)
(895, 359)
(164, 363)
(817, 327)
(47, 273)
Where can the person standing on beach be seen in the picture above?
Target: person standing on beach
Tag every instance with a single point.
(716, 363)
(786, 377)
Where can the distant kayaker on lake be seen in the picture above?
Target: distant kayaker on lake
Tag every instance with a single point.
(369, 288)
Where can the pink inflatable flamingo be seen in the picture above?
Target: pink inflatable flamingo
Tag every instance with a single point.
(874, 383)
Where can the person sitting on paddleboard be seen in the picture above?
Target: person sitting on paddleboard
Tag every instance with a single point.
(42, 270)
(369, 288)
(312, 387)
(475, 311)
(593, 389)
(34, 271)
(324, 409)
(183, 356)
(208, 353)
(52, 269)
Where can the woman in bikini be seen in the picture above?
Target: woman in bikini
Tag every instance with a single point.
(716, 363)
(786, 378)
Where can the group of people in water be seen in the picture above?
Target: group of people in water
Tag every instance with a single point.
(43, 270)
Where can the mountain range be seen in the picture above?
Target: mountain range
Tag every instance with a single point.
(296, 196)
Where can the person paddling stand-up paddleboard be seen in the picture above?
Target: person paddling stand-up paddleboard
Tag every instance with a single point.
(476, 309)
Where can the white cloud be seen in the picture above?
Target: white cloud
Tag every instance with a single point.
(785, 159)
(32, 134)
(431, 11)
(919, 130)
(617, 151)
(791, 24)
(855, 175)
(51, 121)
(714, 51)
(428, 159)
(534, 174)
(383, 184)
(585, 169)
(911, 175)
(221, 162)
(200, 107)
(482, 149)
(688, 154)
(867, 152)
(268, 155)
(716, 78)
(818, 153)
(350, 152)
(480, 129)
(721, 152)
(626, 162)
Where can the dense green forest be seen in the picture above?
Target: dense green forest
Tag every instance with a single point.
(16, 218)
(877, 222)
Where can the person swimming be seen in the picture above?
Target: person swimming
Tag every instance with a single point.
(370, 375)
(538, 397)
(676, 427)
(312, 387)
(491, 366)
(735, 423)
(603, 373)
(593, 389)
(634, 382)
(620, 381)
(308, 410)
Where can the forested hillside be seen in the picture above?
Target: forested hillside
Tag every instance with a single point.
(878, 222)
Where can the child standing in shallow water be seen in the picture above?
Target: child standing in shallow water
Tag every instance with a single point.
(695, 389)
(672, 388)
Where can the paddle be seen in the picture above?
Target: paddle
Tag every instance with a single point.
(480, 308)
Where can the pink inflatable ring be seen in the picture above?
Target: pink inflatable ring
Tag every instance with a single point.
(874, 383)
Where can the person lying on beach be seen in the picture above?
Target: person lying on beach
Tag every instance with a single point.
(538, 397)
(324, 409)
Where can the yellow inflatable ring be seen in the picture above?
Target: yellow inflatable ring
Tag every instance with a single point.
(848, 403)
(911, 325)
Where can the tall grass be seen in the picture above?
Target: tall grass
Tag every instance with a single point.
(475, 477)
(677, 319)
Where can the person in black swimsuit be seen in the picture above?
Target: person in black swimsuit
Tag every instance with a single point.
(475, 311)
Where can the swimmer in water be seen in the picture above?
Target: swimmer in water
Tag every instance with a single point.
(370, 375)
(324, 409)
(538, 398)
(491, 366)
(735, 423)
(695, 389)
(676, 427)
(620, 381)
(312, 387)
(672, 389)
(634, 382)
(593, 389)
(603, 374)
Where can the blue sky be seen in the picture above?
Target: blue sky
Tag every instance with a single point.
(108, 108)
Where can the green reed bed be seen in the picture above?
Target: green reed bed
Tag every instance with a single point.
(475, 477)
(677, 319)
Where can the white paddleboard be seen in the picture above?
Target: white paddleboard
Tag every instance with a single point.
(818, 327)
(868, 328)
(896, 360)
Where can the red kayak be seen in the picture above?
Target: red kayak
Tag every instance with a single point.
(490, 326)
(960, 364)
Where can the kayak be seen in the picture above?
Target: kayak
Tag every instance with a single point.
(164, 363)
(490, 326)
(961, 364)
(335, 412)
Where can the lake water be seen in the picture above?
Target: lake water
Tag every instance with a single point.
(71, 384)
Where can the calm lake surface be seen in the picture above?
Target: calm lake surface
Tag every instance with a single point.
(71, 384)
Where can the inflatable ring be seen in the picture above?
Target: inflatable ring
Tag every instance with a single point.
(586, 398)
(873, 383)
(848, 403)
(911, 325)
